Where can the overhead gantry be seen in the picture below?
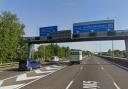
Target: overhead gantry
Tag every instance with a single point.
(99, 36)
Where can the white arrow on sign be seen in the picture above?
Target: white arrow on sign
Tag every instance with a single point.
(11, 86)
(24, 77)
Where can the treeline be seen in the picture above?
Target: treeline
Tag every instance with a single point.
(45, 52)
(11, 32)
(115, 53)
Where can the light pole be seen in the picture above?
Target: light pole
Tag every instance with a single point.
(112, 49)
(44, 52)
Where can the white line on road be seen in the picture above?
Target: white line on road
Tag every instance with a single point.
(24, 77)
(11, 86)
(69, 84)
(38, 71)
(98, 62)
(39, 78)
(51, 68)
(116, 85)
(102, 68)
(81, 67)
(1, 82)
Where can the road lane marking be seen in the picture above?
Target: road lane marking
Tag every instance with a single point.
(102, 68)
(90, 84)
(112, 80)
(81, 67)
(19, 74)
(98, 63)
(40, 78)
(11, 86)
(24, 77)
(1, 82)
(69, 84)
(51, 68)
(38, 71)
(56, 66)
(116, 85)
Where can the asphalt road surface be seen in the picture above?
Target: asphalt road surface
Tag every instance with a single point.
(92, 73)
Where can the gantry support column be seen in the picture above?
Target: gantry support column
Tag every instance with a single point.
(126, 46)
(29, 50)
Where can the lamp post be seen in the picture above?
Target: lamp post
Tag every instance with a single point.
(44, 52)
(112, 49)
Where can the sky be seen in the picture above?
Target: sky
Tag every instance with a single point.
(63, 13)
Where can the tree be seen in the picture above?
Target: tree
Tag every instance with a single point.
(51, 50)
(22, 51)
(88, 53)
(109, 52)
(11, 31)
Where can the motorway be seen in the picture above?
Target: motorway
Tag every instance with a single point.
(92, 73)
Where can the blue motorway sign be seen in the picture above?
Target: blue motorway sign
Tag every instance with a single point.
(93, 26)
(48, 31)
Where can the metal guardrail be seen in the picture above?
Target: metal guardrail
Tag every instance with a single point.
(117, 60)
(115, 57)
(8, 65)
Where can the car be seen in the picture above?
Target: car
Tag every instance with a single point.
(29, 64)
(54, 59)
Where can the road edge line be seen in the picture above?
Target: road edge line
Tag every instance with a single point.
(68, 86)
(116, 85)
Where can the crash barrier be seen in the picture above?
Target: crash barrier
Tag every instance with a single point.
(120, 61)
(8, 65)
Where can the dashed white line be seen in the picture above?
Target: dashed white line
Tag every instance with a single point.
(50, 68)
(38, 71)
(69, 84)
(116, 85)
(98, 62)
(1, 82)
(102, 68)
(81, 67)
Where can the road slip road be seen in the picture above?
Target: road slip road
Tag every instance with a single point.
(93, 73)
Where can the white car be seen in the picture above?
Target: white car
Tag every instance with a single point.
(54, 59)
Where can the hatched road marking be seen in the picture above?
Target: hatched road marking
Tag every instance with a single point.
(116, 85)
(38, 71)
(69, 84)
(24, 77)
(11, 86)
(32, 76)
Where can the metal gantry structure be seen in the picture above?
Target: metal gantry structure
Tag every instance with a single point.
(93, 36)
